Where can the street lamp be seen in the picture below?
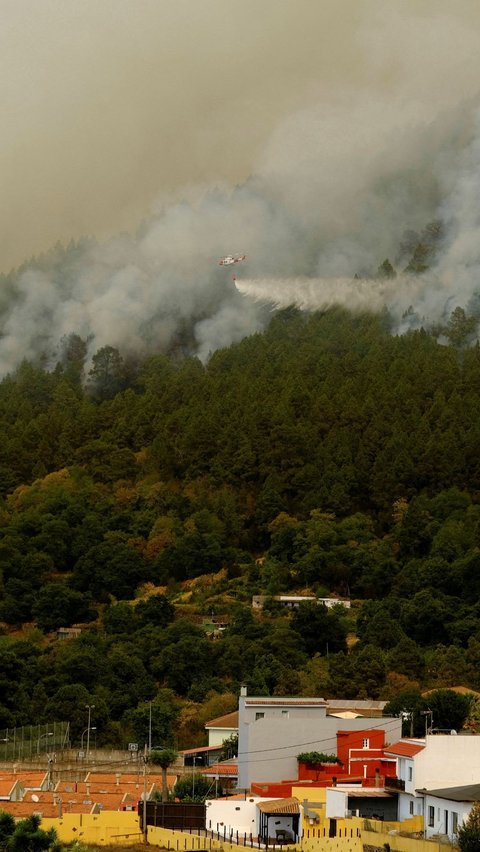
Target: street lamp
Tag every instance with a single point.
(41, 737)
(428, 728)
(89, 707)
(83, 734)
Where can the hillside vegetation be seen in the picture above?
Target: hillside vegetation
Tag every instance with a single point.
(149, 498)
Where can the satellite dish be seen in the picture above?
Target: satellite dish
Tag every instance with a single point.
(35, 797)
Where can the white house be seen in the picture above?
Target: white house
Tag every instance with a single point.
(257, 816)
(405, 751)
(232, 815)
(272, 731)
(438, 762)
(221, 728)
(294, 601)
(447, 809)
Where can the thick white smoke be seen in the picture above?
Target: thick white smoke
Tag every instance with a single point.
(333, 194)
(446, 189)
(140, 294)
(356, 121)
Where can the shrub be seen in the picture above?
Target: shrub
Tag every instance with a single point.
(311, 758)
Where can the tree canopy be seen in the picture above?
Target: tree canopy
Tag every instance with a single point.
(146, 503)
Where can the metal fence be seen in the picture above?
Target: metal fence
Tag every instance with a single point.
(31, 742)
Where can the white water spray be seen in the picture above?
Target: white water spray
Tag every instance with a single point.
(431, 298)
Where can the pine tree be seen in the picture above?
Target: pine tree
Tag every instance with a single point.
(468, 837)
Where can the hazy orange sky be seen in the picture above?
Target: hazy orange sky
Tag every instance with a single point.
(108, 106)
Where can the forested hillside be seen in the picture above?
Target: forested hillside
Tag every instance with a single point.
(144, 499)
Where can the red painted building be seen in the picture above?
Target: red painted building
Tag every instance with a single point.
(361, 760)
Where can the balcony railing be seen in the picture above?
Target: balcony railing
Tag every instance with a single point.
(394, 784)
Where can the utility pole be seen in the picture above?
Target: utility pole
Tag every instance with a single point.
(89, 707)
(150, 730)
(145, 759)
(51, 758)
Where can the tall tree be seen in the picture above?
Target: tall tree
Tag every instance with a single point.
(164, 758)
(468, 836)
(106, 376)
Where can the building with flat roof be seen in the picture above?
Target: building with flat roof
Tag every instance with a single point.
(272, 731)
(294, 601)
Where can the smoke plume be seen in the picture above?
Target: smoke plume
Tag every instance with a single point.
(349, 156)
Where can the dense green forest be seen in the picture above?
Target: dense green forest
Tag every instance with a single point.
(148, 499)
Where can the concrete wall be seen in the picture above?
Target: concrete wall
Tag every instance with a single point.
(123, 829)
(119, 827)
(351, 838)
(447, 761)
(268, 747)
(236, 814)
(337, 804)
(355, 833)
(334, 844)
(283, 709)
(399, 843)
(177, 841)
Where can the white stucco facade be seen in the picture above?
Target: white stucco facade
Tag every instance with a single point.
(216, 736)
(444, 761)
(409, 802)
(409, 805)
(447, 761)
(242, 815)
(222, 728)
(336, 803)
(443, 817)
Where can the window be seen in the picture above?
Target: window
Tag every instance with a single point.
(285, 713)
(411, 808)
(454, 822)
(410, 773)
(259, 716)
(431, 816)
(365, 743)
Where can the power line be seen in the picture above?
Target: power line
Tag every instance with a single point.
(246, 754)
